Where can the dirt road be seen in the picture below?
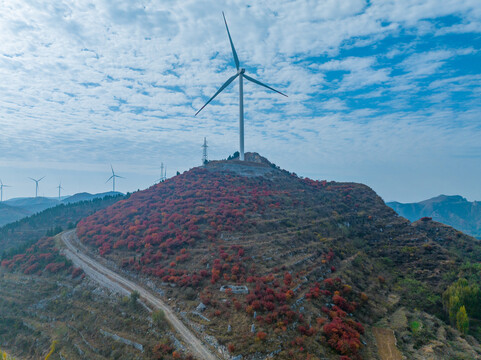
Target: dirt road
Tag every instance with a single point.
(386, 344)
(115, 282)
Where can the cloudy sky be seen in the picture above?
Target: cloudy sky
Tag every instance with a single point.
(383, 92)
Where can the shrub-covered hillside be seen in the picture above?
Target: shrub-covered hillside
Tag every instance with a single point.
(284, 265)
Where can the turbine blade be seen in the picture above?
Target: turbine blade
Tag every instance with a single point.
(109, 179)
(112, 168)
(261, 84)
(231, 79)
(236, 59)
(41, 178)
(32, 179)
(118, 176)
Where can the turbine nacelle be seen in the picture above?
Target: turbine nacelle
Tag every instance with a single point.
(241, 71)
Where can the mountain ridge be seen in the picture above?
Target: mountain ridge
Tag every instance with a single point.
(14, 209)
(453, 210)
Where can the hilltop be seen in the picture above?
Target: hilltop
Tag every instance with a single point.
(286, 265)
(453, 210)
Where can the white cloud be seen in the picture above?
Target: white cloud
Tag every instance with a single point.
(119, 81)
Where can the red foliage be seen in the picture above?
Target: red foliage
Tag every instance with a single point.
(76, 272)
(166, 219)
(55, 267)
(261, 335)
(343, 335)
(43, 255)
(287, 279)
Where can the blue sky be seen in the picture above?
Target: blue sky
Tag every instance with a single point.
(387, 93)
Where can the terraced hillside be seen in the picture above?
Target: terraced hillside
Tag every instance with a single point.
(261, 262)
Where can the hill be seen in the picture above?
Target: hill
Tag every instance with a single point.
(18, 208)
(32, 205)
(260, 261)
(87, 196)
(10, 214)
(16, 236)
(454, 210)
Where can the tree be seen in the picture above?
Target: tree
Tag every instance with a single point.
(158, 317)
(134, 296)
(462, 320)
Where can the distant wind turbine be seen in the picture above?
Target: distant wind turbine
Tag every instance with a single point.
(59, 187)
(36, 184)
(2, 185)
(241, 74)
(114, 175)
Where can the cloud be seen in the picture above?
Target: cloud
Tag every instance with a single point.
(107, 81)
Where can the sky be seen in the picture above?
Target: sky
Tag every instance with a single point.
(386, 93)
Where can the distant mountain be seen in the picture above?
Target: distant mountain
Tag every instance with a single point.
(30, 228)
(10, 214)
(453, 210)
(87, 196)
(17, 208)
(32, 204)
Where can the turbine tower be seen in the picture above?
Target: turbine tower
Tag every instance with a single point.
(36, 184)
(114, 175)
(241, 74)
(204, 152)
(59, 187)
(2, 185)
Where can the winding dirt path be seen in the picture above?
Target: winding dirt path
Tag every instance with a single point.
(386, 344)
(115, 282)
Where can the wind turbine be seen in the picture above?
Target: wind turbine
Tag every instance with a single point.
(36, 184)
(59, 187)
(2, 185)
(113, 178)
(241, 74)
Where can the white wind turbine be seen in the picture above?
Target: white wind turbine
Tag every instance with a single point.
(2, 185)
(114, 175)
(59, 187)
(241, 74)
(36, 184)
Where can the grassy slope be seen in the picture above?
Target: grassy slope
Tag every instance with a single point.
(36, 311)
